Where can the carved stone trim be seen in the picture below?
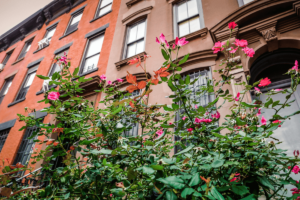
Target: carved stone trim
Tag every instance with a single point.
(124, 62)
(132, 2)
(198, 34)
(136, 13)
(225, 34)
(268, 30)
(23, 32)
(48, 16)
(139, 77)
(198, 56)
(296, 7)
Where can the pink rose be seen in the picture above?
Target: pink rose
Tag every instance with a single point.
(232, 25)
(103, 77)
(182, 42)
(184, 118)
(241, 43)
(157, 41)
(264, 82)
(120, 80)
(233, 50)
(162, 38)
(53, 95)
(190, 130)
(263, 121)
(249, 51)
(218, 47)
(109, 82)
(296, 169)
(237, 98)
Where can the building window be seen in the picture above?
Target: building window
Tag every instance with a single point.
(104, 7)
(25, 49)
(92, 53)
(5, 88)
(243, 2)
(26, 148)
(187, 17)
(3, 136)
(7, 57)
(55, 66)
(50, 33)
(73, 24)
(27, 82)
(202, 99)
(135, 42)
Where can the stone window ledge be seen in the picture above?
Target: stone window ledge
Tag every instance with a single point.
(15, 102)
(198, 34)
(124, 62)
(41, 49)
(18, 61)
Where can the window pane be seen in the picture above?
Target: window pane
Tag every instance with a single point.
(29, 80)
(182, 11)
(132, 34)
(28, 47)
(183, 28)
(50, 33)
(95, 46)
(139, 47)
(76, 19)
(131, 50)
(91, 63)
(194, 24)
(105, 2)
(141, 30)
(192, 8)
(105, 10)
(7, 88)
(247, 1)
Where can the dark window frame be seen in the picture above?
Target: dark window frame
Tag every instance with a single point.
(99, 9)
(48, 30)
(84, 58)
(138, 40)
(74, 27)
(5, 85)
(3, 136)
(175, 17)
(242, 3)
(24, 90)
(23, 53)
(7, 57)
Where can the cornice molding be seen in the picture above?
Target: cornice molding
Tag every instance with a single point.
(198, 34)
(296, 7)
(198, 56)
(136, 13)
(124, 62)
(132, 2)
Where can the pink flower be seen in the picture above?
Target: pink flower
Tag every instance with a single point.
(174, 46)
(162, 38)
(190, 130)
(197, 120)
(259, 112)
(196, 106)
(296, 65)
(237, 98)
(157, 40)
(207, 120)
(109, 82)
(248, 51)
(296, 169)
(176, 41)
(232, 25)
(257, 90)
(241, 43)
(63, 59)
(233, 50)
(160, 132)
(170, 123)
(263, 121)
(278, 90)
(103, 77)
(120, 80)
(111, 195)
(184, 118)
(277, 122)
(264, 82)
(182, 42)
(233, 179)
(218, 47)
(216, 116)
(167, 44)
(53, 95)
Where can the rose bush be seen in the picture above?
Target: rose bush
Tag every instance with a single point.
(229, 160)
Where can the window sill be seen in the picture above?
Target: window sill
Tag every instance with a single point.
(100, 16)
(124, 62)
(68, 34)
(41, 49)
(42, 91)
(15, 102)
(17, 61)
(86, 73)
(198, 34)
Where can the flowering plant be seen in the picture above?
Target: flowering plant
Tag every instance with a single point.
(213, 160)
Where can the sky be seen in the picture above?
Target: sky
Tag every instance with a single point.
(13, 12)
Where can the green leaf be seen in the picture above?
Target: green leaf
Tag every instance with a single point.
(170, 195)
(169, 161)
(105, 151)
(195, 180)
(239, 122)
(184, 59)
(275, 103)
(216, 193)
(187, 191)
(250, 197)
(173, 181)
(76, 71)
(185, 150)
(217, 163)
(165, 55)
(170, 84)
(187, 79)
(248, 105)
(119, 109)
(164, 79)
(269, 103)
(157, 167)
(166, 108)
(43, 77)
(175, 106)
(240, 190)
(264, 181)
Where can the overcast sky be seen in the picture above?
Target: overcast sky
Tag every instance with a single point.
(13, 12)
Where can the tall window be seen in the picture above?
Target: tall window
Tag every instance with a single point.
(27, 82)
(187, 17)
(50, 33)
(5, 88)
(104, 7)
(92, 53)
(25, 49)
(26, 147)
(243, 2)
(75, 19)
(7, 58)
(3, 136)
(135, 42)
